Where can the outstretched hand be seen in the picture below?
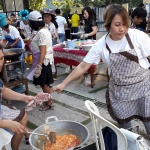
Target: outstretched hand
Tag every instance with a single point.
(58, 88)
(28, 99)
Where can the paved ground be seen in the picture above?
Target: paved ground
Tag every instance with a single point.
(69, 105)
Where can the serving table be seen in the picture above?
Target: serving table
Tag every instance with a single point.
(71, 57)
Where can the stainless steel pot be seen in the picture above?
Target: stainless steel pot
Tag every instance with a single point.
(61, 127)
(17, 53)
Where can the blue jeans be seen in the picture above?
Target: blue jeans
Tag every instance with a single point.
(61, 37)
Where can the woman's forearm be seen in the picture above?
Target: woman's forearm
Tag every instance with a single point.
(93, 32)
(12, 95)
(77, 72)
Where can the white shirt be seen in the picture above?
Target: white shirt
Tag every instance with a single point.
(14, 34)
(43, 37)
(140, 41)
(51, 27)
(26, 28)
(61, 21)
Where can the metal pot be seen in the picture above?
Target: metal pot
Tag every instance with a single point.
(17, 51)
(61, 127)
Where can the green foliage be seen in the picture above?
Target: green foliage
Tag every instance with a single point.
(37, 4)
(133, 3)
(66, 5)
(1, 5)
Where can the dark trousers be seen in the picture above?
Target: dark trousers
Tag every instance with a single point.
(74, 30)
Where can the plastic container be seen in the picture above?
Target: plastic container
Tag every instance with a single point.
(71, 44)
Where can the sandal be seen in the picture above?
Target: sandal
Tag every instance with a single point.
(45, 107)
(90, 85)
(27, 141)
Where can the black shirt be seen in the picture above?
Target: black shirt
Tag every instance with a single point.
(88, 28)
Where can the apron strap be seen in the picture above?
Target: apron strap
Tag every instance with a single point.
(107, 45)
(129, 41)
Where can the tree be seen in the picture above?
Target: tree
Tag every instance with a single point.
(37, 4)
(1, 7)
(133, 3)
(66, 5)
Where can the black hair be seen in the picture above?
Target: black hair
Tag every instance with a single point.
(139, 12)
(53, 16)
(141, 5)
(36, 25)
(90, 12)
(6, 26)
(30, 10)
(13, 15)
(57, 11)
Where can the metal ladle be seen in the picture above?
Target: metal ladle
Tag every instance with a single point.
(51, 136)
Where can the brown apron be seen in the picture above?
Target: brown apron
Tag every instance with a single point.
(128, 94)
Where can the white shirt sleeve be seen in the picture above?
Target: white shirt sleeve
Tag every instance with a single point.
(93, 56)
(145, 44)
(42, 39)
(21, 25)
(15, 33)
(65, 21)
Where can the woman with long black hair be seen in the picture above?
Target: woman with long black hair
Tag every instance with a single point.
(90, 25)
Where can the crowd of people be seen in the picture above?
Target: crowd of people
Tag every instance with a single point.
(121, 49)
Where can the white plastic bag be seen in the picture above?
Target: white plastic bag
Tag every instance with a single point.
(87, 80)
(135, 141)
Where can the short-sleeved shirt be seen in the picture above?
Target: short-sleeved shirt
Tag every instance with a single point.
(140, 41)
(43, 37)
(16, 23)
(75, 20)
(27, 29)
(88, 28)
(51, 27)
(14, 33)
(61, 21)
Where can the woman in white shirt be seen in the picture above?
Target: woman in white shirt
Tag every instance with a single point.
(41, 47)
(126, 53)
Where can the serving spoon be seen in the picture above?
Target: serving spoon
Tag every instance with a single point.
(51, 136)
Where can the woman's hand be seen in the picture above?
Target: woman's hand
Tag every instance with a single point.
(58, 88)
(28, 99)
(7, 47)
(83, 36)
(38, 69)
(16, 127)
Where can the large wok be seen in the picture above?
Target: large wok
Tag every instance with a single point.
(17, 53)
(61, 127)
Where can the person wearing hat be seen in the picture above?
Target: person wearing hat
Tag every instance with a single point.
(49, 18)
(41, 47)
(11, 36)
(25, 29)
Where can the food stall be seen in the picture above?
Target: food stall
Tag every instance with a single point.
(72, 56)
